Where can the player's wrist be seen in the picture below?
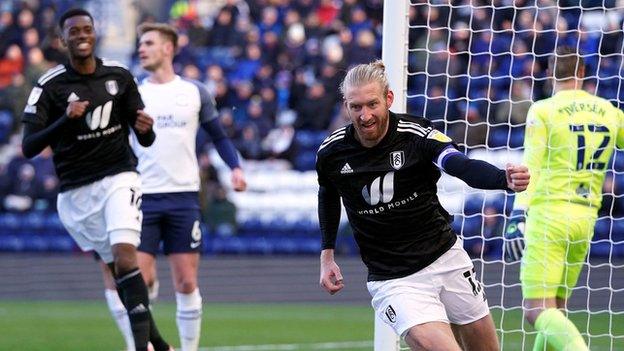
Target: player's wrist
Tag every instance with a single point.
(327, 255)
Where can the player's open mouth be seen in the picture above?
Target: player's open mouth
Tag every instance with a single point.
(368, 125)
(84, 46)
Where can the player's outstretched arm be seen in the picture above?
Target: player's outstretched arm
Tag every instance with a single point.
(331, 278)
(483, 175)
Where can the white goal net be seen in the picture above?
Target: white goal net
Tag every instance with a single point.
(474, 68)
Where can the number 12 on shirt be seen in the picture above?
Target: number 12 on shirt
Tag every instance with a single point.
(594, 162)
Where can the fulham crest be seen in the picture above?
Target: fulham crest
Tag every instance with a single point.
(111, 87)
(397, 159)
(391, 314)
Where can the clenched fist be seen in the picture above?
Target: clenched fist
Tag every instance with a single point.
(76, 109)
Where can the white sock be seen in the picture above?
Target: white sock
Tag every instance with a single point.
(152, 291)
(120, 315)
(188, 318)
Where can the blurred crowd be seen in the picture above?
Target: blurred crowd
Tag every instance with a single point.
(274, 67)
(478, 67)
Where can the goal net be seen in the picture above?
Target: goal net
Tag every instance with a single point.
(474, 68)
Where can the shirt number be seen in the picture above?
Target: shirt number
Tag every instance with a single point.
(593, 162)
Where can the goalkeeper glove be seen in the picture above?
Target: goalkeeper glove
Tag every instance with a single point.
(514, 236)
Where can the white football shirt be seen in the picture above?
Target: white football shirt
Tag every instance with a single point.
(178, 108)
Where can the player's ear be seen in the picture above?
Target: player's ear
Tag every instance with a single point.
(389, 98)
(61, 35)
(580, 73)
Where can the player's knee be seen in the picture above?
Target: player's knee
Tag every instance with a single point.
(186, 285)
(424, 341)
(124, 263)
(531, 315)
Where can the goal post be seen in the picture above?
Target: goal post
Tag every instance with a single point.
(394, 55)
(474, 67)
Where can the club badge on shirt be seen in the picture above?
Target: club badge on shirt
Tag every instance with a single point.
(397, 159)
(111, 87)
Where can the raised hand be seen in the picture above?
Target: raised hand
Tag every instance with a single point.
(517, 177)
(143, 123)
(76, 109)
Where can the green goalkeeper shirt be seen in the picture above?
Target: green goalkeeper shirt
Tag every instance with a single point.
(569, 140)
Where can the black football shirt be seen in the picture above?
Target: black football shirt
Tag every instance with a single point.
(390, 195)
(96, 145)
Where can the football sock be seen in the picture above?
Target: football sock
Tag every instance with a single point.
(120, 315)
(152, 291)
(559, 332)
(133, 293)
(188, 318)
(157, 341)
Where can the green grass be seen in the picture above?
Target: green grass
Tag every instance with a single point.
(38, 325)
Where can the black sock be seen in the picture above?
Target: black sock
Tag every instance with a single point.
(157, 341)
(133, 292)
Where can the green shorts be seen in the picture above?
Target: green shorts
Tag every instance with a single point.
(557, 240)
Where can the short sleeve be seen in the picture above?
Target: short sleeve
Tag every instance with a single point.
(434, 143)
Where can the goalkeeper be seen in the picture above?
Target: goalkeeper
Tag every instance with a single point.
(569, 140)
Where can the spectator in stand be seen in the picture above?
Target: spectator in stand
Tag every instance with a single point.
(248, 64)
(222, 94)
(222, 32)
(358, 20)
(364, 50)
(227, 120)
(255, 115)
(11, 64)
(22, 189)
(191, 71)
(240, 99)
(326, 12)
(315, 111)
(270, 21)
(270, 47)
(249, 144)
(269, 104)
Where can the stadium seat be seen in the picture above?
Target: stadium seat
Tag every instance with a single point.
(12, 243)
(602, 229)
(498, 137)
(305, 161)
(305, 139)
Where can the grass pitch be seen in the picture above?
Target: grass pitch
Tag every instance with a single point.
(87, 325)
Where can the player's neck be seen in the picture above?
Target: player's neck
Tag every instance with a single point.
(163, 74)
(572, 84)
(83, 65)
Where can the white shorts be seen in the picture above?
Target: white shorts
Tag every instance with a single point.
(446, 291)
(91, 212)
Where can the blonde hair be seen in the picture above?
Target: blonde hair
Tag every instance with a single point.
(165, 30)
(374, 72)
